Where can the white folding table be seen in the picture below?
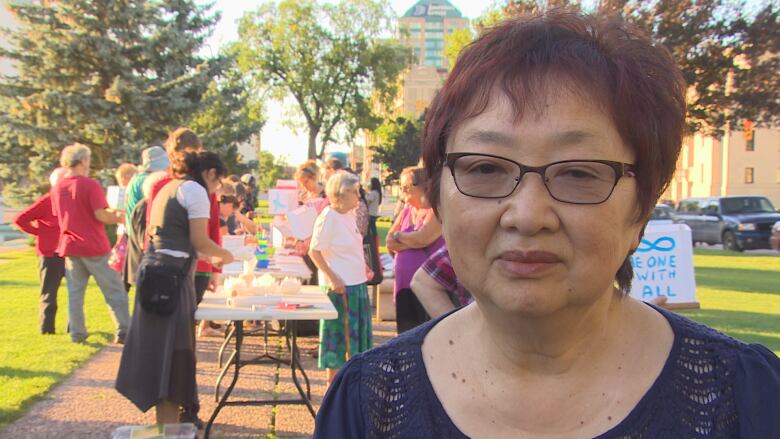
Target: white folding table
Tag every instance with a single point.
(215, 307)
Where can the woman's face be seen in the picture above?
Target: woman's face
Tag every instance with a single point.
(529, 253)
(226, 209)
(347, 201)
(414, 194)
(309, 184)
(212, 181)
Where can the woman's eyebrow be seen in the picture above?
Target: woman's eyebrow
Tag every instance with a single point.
(490, 137)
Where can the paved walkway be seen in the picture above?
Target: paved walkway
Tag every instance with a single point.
(86, 405)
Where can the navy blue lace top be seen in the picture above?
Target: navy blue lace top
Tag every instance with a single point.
(712, 386)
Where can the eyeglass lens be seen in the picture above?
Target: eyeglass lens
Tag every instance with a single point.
(581, 182)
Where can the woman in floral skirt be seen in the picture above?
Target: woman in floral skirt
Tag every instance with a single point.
(337, 250)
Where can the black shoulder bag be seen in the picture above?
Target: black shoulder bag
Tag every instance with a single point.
(160, 280)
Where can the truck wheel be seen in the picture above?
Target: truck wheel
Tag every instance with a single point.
(730, 241)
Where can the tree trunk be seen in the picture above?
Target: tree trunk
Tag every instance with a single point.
(313, 143)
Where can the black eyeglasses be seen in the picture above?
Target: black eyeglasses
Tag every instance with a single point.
(568, 181)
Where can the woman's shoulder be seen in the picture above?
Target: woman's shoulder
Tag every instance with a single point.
(734, 379)
(385, 385)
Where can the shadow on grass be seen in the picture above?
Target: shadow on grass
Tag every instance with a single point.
(17, 284)
(749, 327)
(13, 372)
(738, 279)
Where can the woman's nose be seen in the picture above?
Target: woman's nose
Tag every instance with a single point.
(530, 208)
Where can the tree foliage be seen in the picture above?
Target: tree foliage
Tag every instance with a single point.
(114, 75)
(728, 55)
(270, 169)
(232, 114)
(399, 145)
(330, 58)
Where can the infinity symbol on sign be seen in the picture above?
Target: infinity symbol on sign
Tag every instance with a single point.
(665, 244)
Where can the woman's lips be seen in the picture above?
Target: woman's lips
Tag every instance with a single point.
(522, 264)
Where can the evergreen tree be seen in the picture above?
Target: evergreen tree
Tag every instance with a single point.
(115, 75)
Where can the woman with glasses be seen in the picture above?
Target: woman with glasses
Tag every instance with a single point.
(414, 236)
(547, 149)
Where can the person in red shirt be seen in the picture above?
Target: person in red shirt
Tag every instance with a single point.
(39, 220)
(80, 206)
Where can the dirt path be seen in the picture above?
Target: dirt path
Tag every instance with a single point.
(86, 405)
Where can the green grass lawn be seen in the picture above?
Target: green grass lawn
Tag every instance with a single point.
(739, 295)
(31, 363)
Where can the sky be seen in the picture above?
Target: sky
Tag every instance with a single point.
(276, 138)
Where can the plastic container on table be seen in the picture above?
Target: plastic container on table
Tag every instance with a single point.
(168, 431)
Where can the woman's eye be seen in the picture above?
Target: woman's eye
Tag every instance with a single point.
(485, 168)
(577, 173)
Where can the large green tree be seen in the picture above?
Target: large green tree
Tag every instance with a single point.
(728, 53)
(232, 114)
(398, 145)
(330, 58)
(112, 74)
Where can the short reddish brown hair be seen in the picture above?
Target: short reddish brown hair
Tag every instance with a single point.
(634, 82)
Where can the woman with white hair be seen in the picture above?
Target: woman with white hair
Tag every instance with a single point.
(337, 250)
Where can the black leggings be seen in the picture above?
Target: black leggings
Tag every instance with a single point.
(201, 283)
(409, 312)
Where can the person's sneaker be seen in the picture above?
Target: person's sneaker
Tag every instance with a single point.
(119, 339)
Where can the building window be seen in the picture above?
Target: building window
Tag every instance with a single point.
(749, 176)
(750, 144)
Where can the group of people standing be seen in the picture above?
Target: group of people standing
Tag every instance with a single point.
(69, 224)
(171, 218)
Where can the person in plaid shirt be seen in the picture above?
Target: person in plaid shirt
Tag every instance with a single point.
(436, 285)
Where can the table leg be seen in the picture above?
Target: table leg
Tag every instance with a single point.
(236, 358)
(295, 362)
(298, 360)
(222, 373)
(228, 337)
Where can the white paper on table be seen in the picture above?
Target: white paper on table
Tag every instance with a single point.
(286, 184)
(115, 196)
(282, 200)
(301, 221)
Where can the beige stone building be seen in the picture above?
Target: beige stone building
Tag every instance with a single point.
(751, 166)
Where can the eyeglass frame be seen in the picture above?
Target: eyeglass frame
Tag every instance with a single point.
(621, 170)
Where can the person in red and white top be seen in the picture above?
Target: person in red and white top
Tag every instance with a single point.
(39, 220)
(80, 206)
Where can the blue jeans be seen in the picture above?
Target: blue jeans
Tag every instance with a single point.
(78, 269)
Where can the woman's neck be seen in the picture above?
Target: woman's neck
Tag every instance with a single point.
(546, 345)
